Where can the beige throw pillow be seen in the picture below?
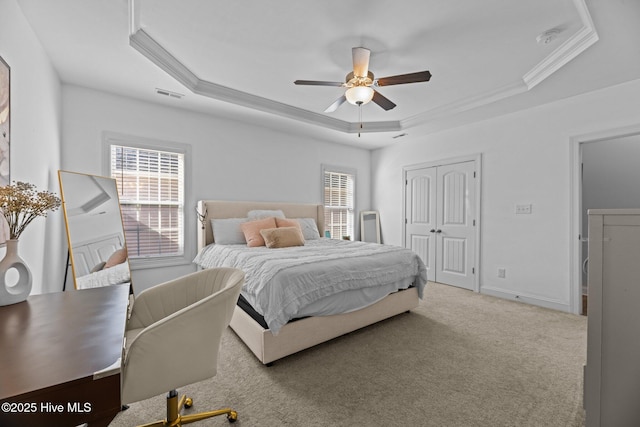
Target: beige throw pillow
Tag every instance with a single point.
(282, 237)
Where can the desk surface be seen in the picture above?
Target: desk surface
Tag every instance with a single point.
(58, 338)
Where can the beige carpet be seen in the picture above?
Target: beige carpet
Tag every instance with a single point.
(460, 359)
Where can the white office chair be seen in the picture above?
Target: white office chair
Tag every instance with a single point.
(187, 314)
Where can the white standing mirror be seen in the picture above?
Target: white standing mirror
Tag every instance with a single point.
(370, 226)
(97, 248)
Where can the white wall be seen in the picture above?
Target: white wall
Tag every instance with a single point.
(230, 160)
(525, 160)
(35, 142)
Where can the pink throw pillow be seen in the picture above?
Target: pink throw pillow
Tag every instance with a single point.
(252, 229)
(284, 222)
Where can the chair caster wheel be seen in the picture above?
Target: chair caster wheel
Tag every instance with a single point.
(232, 417)
(188, 402)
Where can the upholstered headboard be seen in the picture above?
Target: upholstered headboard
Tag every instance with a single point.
(219, 209)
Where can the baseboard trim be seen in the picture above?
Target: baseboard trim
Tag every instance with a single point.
(528, 299)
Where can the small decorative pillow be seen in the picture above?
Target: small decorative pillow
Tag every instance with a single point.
(227, 231)
(283, 237)
(118, 257)
(285, 222)
(309, 228)
(99, 266)
(262, 213)
(252, 229)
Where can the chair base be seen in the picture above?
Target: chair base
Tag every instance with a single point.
(175, 419)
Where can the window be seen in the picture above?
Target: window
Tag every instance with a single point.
(339, 196)
(151, 188)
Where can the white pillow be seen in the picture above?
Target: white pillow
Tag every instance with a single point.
(263, 213)
(309, 228)
(227, 231)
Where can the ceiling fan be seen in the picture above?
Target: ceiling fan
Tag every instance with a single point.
(361, 83)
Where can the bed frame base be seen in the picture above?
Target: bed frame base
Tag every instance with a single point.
(305, 333)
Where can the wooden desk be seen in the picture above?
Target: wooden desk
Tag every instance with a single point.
(50, 348)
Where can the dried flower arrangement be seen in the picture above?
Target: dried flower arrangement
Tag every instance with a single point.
(21, 203)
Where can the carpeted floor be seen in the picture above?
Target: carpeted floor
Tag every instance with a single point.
(460, 359)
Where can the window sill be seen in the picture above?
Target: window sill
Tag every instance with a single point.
(158, 262)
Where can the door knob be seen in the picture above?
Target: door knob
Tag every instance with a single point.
(433, 230)
(438, 231)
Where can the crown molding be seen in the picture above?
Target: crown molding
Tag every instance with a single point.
(465, 104)
(153, 51)
(571, 48)
(141, 41)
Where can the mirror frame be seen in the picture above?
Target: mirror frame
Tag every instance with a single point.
(118, 235)
(368, 218)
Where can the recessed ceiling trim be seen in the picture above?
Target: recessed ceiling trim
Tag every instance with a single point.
(571, 48)
(465, 104)
(141, 41)
(226, 94)
(152, 50)
(370, 127)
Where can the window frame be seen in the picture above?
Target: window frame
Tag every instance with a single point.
(113, 138)
(343, 170)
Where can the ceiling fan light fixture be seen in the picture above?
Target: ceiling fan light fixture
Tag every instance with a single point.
(359, 95)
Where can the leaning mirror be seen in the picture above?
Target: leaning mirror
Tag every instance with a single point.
(95, 234)
(370, 226)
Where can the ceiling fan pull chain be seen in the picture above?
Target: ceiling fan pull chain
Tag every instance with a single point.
(359, 117)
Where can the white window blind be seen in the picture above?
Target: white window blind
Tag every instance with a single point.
(151, 191)
(339, 203)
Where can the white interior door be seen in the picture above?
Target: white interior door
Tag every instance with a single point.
(455, 234)
(440, 221)
(420, 223)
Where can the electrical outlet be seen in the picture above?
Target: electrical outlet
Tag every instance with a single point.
(502, 273)
(523, 209)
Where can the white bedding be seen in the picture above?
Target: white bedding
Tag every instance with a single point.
(281, 283)
(109, 276)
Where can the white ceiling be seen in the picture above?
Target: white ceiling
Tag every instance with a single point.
(239, 59)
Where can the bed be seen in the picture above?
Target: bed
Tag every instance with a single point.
(100, 262)
(272, 337)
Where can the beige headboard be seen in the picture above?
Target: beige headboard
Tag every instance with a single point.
(219, 209)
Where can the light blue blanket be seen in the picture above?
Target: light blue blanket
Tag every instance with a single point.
(279, 282)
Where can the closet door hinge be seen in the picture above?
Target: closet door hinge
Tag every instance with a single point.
(474, 174)
(474, 222)
(473, 270)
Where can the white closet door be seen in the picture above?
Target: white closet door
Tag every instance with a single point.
(455, 234)
(420, 216)
(440, 221)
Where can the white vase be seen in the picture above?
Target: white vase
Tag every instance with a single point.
(20, 290)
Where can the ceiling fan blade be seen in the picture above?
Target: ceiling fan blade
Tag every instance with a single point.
(382, 101)
(317, 83)
(421, 76)
(338, 102)
(360, 61)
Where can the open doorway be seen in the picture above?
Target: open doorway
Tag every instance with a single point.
(609, 178)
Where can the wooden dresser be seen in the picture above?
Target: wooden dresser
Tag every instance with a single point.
(612, 373)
